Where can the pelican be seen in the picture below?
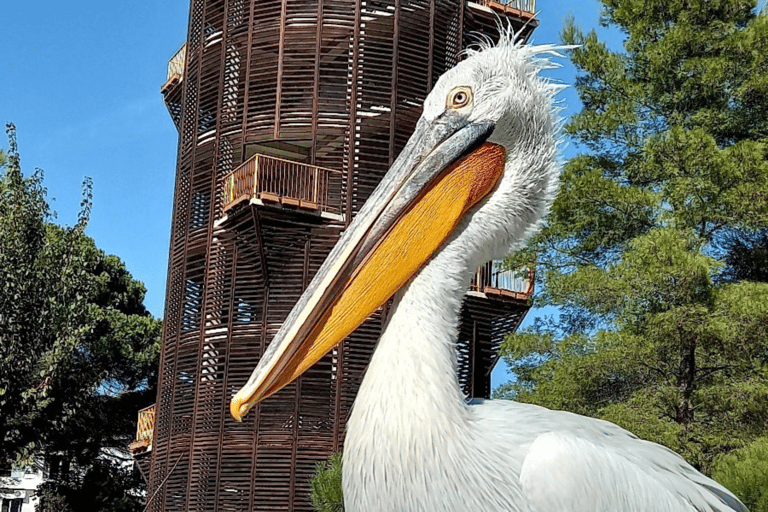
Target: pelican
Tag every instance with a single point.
(473, 181)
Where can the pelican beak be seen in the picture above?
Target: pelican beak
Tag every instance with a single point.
(443, 171)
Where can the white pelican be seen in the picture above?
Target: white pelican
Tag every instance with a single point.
(473, 181)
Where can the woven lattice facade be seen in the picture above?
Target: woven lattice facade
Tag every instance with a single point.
(317, 97)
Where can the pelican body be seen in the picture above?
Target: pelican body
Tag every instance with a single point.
(472, 183)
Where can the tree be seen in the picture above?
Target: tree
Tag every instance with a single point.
(103, 487)
(78, 348)
(662, 326)
(325, 486)
(745, 471)
(745, 254)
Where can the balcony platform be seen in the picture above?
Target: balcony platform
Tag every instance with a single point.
(172, 82)
(492, 281)
(488, 13)
(141, 447)
(266, 181)
(145, 427)
(524, 10)
(278, 207)
(171, 89)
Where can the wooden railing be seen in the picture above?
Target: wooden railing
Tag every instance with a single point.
(491, 279)
(274, 180)
(145, 429)
(176, 64)
(521, 5)
(146, 424)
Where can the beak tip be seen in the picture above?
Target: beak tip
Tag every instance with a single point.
(237, 408)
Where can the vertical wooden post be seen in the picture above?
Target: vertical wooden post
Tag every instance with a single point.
(255, 176)
(315, 198)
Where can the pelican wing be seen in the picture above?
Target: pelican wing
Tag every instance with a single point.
(563, 472)
(572, 463)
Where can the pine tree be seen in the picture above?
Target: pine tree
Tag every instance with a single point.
(325, 486)
(662, 325)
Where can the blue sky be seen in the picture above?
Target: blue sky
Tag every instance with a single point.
(81, 81)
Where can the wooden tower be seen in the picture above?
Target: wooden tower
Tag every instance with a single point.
(289, 113)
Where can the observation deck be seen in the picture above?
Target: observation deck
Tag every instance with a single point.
(522, 9)
(171, 89)
(144, 429)
(266, 180)
(141, 447)
(492, 280)
(175, 69)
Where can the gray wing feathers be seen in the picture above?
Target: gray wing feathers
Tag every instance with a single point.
(563, 472)
(726, 497)
(571, 463)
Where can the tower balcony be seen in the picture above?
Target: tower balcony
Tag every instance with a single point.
(522, 14)
(492, 280)
(171, 89)
(267, 180)
(175, 69)
(145, 428)
(520, 8)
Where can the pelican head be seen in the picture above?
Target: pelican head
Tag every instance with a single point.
(478, 172)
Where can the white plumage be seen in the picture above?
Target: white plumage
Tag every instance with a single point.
(413, 443)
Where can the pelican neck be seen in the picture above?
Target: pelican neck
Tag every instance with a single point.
(413, 369)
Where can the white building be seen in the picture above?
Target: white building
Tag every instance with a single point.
(18, 487)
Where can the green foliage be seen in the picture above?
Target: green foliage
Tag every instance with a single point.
(745, 253)
(325, 486)
(102, 488)
(78, 349)
(52, 498)
(655, 248)
(745, 472)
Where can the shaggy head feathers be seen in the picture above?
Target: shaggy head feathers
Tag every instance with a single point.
(509, 91)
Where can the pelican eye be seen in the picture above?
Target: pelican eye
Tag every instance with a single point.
(459, 98)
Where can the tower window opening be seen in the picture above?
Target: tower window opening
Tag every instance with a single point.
(201, 206)
(193, 304)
